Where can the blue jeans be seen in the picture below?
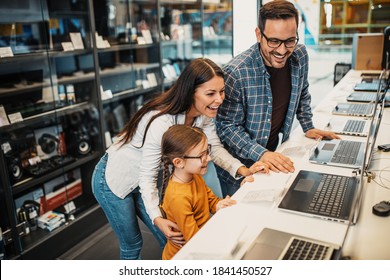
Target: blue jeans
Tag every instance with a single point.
(122, 214)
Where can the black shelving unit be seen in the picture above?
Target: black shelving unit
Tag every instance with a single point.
(71, 74)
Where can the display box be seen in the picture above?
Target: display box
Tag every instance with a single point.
(367, 51)
(59, 191)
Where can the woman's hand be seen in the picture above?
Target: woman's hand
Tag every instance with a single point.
(227, 201)
(170, 230)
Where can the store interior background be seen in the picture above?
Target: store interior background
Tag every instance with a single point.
(323, 58)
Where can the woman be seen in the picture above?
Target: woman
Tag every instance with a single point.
(125, 179)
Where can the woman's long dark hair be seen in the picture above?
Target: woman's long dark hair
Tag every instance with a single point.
(178, 99)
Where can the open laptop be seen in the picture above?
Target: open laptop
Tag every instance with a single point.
(364, 86)
(273, 244)
(370, 97)
(341, 153)
(354, 109)
(347, 126)
(365, 97)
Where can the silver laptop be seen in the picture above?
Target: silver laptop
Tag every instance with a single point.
(273, 244)
(364, 86)
(354, 109)
(342, 153)
(346, 126)
(365, 97)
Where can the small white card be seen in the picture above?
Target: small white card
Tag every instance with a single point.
(152, 79)
(147, 36)
(3, 116)
(141, 40)
(100, 42)
(67, 46)
(15, 117)
(69, 207)
(6, 52)
(77, 41)
(145, 84)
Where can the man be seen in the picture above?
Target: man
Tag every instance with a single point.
(265, 87)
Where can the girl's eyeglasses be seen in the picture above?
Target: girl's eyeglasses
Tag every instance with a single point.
(203, 156)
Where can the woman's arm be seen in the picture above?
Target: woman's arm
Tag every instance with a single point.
(149, 169)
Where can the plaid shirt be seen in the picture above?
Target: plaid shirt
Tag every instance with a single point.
(244, 118)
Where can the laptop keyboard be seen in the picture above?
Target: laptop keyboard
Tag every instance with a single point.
(360, 109)
(346, 152)
(301, 249)
(367, 86)
(354, 126)
(329, 197)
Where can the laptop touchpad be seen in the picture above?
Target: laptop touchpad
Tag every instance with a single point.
(328, 147)
(304, 185)
(261, 251)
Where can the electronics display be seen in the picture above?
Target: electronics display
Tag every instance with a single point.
(386, 48)
(82, 129)
(18, 148)
(46, 166)
(50, 141)
(65, 66)
(85, 63)
(107, 60)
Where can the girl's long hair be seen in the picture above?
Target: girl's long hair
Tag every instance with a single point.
(175, 143)
(178, 99)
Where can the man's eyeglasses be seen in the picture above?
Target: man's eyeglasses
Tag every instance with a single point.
(203, 156)
(275, 43)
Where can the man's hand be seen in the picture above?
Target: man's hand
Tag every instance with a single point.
(278, 162)
(315, 133)
(170, 230)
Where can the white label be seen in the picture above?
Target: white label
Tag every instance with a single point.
(15, 117)
(6, 52)
(77, 41)
(67, 46)
(69, 207)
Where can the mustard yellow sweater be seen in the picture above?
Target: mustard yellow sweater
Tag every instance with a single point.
(189, 206)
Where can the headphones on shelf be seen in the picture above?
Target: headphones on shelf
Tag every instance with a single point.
(48, 143)
(29, 212)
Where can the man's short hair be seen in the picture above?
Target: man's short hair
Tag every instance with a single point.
(277, 9)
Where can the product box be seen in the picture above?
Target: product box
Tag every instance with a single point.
(367, 51)
(51, 220)
(59, 191)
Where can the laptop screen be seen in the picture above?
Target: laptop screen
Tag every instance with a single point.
(376, 121)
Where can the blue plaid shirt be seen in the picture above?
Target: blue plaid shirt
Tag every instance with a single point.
(244, 118)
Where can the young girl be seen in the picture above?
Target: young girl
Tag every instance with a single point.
(186, 200)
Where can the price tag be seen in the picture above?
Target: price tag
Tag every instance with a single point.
(67, 46)
(15, 117)
(6, 52)
(69, 207)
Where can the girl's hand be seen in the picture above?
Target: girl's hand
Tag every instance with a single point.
(225, 203)
(247, 179)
